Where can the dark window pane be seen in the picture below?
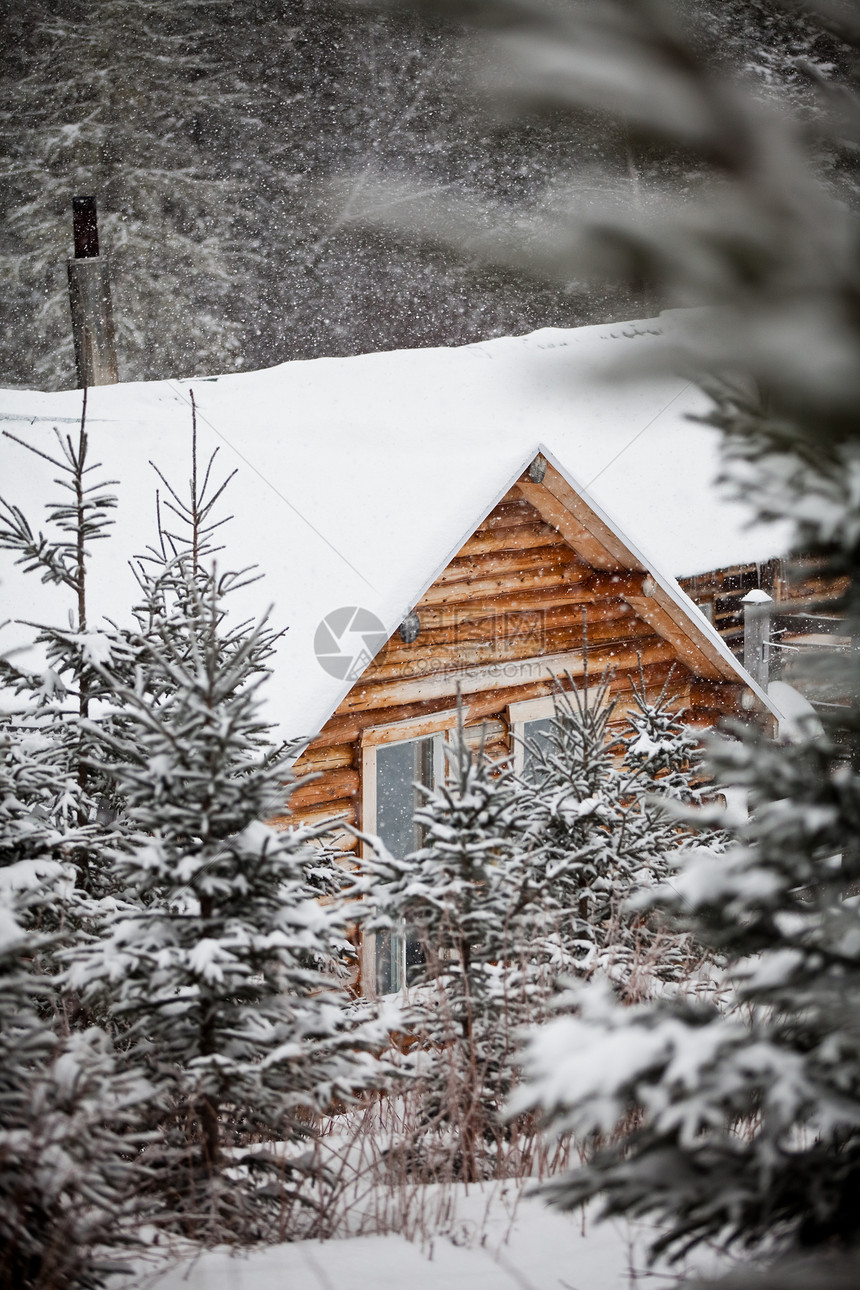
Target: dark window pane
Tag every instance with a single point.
(395, 797)
(534, 733)
(415, 960)
(399, 767)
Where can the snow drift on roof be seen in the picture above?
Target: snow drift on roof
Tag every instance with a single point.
(359, 477)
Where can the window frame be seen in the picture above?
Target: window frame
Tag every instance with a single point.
(519, 715)
(437, 727)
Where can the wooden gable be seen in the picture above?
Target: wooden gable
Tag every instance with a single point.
(542, 584)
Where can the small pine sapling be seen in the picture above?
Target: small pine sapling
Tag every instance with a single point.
(663, 759)
(600, 830)
(579, 834)
(224, 975)
(666, 788)
(56, 705)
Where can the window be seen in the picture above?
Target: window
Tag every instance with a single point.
(530, 723)
(400, 768)
(393, 775)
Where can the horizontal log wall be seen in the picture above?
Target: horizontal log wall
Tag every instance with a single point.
(515, 596)
(796, 585)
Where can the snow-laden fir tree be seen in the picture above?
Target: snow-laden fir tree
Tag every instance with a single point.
(55, 708)
(223, 979)
(67, 1185)
(465, 897)
(34, 853)
(663, 761)
(571, 797)
(598, 834)
(747, 1121)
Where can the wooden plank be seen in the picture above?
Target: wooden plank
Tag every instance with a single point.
(507, 632)
(492, 730)
(350, 726)
(401, 664)
(574, 532)
(512, 511)
(613, 547)
(393, 732)
(669, 620)
(504, 625)
(490, 588)
(435, 723)
(334, 757)
(531, 709)
(345, 808)
(474, 608)
(726, 697)
(493, 563)
(501, 676)
(339, 839)
(332, 786)
(524, 537)
(367, 801)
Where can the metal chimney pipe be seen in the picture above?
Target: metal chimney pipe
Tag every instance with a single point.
(85, 225)
(89, 297)
(757, 611)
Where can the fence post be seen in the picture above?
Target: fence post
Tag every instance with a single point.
(89, 297)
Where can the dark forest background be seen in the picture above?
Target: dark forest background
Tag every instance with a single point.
(237, 148)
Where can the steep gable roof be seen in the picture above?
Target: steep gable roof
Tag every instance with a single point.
(592, 569)
(360, 478)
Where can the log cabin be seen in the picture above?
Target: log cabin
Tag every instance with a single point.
(545, 588)
(476, 519)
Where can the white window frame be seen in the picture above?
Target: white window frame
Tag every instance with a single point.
(518, 716)
(439, 728)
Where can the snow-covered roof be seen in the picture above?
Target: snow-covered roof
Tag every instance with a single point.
(359, 477)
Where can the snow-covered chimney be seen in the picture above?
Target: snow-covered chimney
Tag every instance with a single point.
(757, 608)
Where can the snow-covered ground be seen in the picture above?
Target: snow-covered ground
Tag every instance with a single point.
(495, 1239)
